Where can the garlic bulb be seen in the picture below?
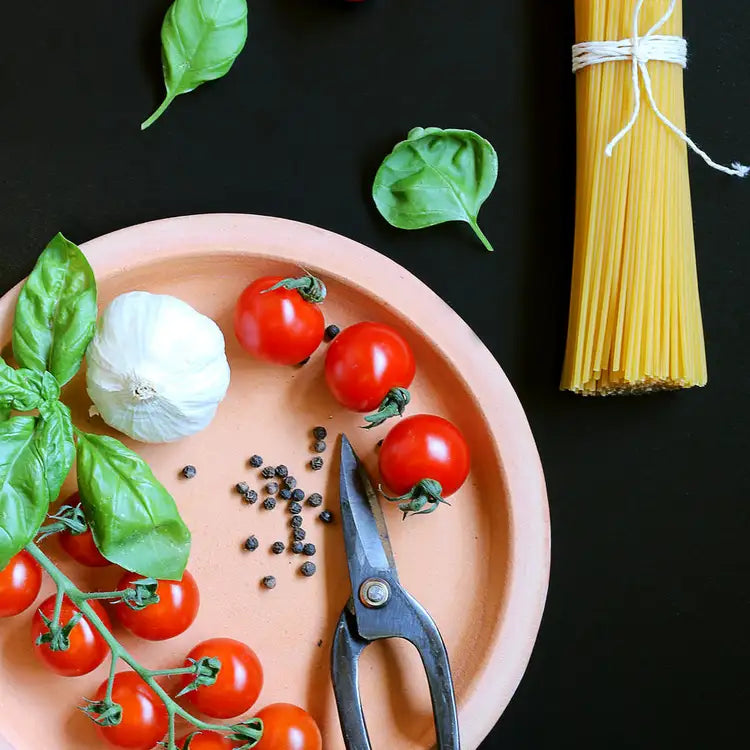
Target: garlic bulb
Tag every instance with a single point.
(156, 368)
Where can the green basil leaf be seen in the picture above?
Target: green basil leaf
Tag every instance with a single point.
(4, 410)
(24, 497)
(54, 437)
(56, 312)
(134, 519)
(436, 176)
(200, 40)
(21, 389)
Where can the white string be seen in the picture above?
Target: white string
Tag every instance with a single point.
(641, 49)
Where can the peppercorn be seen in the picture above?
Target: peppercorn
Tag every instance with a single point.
(269, 582)
(285, 494)
(319, 446)
(297, 548)
(268, 472)
(242, 487)
(299, 534)
(269, 503)
(277, 548)
(290, 482)
(320, 433)
(326, 516)
(315, 500)
(331, 332)
(251, 497)
(251, 543)
(298, 495)
(272, 488)
(282, 471)
(256, 461)
(308, 569)
(189, 471)
(379, 443)
(309, 549)
(296, 521)
(294, 508)
(316, 463)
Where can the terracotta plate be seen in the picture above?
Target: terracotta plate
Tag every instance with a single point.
(480, 567)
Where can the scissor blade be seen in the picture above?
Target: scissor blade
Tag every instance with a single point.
(368, 548)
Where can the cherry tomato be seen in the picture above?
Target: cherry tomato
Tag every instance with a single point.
(209, 741)
(288, 727)
(81, 547)
(280, 326)
(144, 715)
(20, 581)
(173, 614)
(364, 362)
(238, 684)
(87, 647)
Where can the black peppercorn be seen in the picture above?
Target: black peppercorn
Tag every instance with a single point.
(297, 548)
(251, 543)
(290, 482)
(320, 433)
(282, 471)
(379, 443)
(269, 582)
(242, 487)
(294, 508)
(299, 534)
(272, 488)
(268, 472)
(326, 516)
(285, 494)
(319, 446)
(308, 569)
(277, 548)
(331, 332)
(296, 521)
(315, 500)
(298, 495)
(189, 471)
(269, 503)
(308, 549)
(256, 461)
(316, 463)
(251, 497)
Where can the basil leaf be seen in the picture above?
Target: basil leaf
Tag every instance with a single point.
(134, 520)
(54, 438)
(200, 40)
(436, 176)
(4, 411)
(56, 312)
(24, 497)
(22, 389)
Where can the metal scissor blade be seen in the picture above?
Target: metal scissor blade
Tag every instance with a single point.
(368, 548)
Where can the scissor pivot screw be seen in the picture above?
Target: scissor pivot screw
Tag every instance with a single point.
(374, 592)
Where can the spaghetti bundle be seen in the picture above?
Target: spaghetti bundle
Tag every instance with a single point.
(635, 319)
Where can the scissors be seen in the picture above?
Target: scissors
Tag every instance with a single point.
(380, 608)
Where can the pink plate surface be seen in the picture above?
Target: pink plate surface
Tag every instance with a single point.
(480, 567)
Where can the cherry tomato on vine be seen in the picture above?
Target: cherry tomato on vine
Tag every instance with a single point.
(144, 716)
(20, 581)
(238, 684)
(288, 727)
(209, 741)
(81, 547)
(282, 325)
(87, 649)
(173, 614)
(418, 452)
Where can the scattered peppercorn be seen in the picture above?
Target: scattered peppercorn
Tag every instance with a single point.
(272, 488)
(326, 516)
(309, 549)
(256, 461)
(269, 503)
(251, 497)
(308, 569)
(320, 433)
(298, 495)
(303, 362)
(290, 482)
(315, 500)
(319, 446)
(242, 487)
(269, 582)
(277, 548)
(294, 508)
(251, 543)
(331, 332)
(316, 463)
(282, 471)
(296, 521)
(299, 534)
(285, 494)
(379, 443)
(268, 472)
(297, 548)
(189, 471)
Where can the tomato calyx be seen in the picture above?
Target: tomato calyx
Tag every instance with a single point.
(68, 518)
(140, 594)
(105, 713)
(426, 492)
(206, 671)
(309, 287)
(249, 732)
(393, 405)
(57, 637)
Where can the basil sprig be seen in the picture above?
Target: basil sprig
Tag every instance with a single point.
(134, 520)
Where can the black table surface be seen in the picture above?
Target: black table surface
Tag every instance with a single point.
(644, 642)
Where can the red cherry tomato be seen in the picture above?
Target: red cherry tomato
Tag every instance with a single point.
(364, 362)
(173, 614)
(20, 581)
(238, 684)
(87, 647)
(278, 326)
(288, 727)
(209, 741)
(83, 549)
(424, 447)
(144, 716)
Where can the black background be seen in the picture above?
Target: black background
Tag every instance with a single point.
(644, 639)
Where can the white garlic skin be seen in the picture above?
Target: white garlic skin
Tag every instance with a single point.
(156, 368)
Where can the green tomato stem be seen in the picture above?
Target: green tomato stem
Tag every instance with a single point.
(111, 679)
(481, 235)
(162, 108)
(66, 587)
(171, 672)
(58, 607)
(113, 596)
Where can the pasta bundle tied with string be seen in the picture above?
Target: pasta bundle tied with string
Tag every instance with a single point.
(635, 319)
